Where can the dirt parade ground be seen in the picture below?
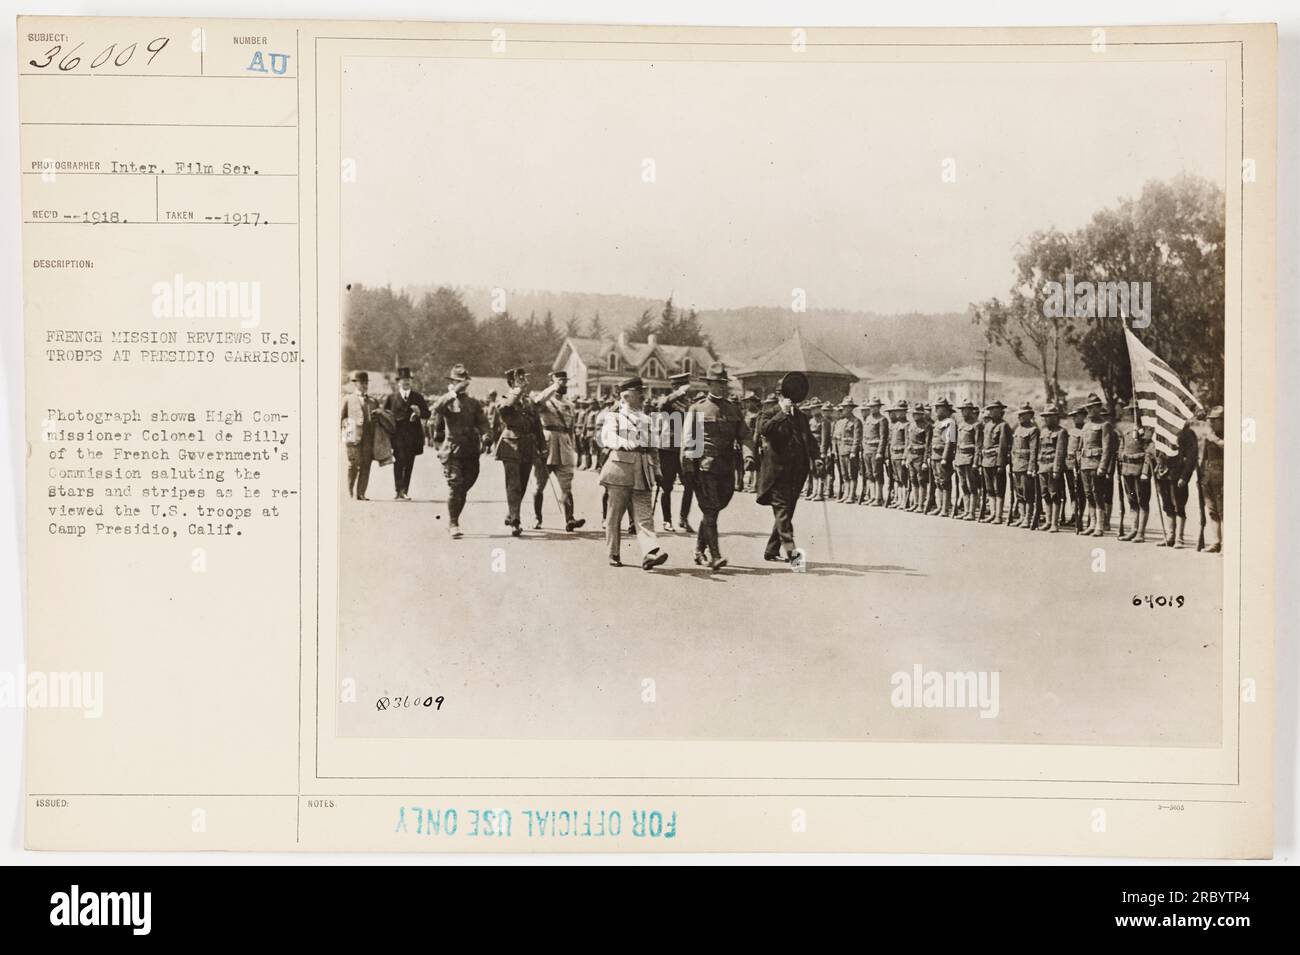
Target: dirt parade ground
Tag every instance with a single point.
(537, 637)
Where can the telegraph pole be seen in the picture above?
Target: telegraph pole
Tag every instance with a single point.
(984, 381)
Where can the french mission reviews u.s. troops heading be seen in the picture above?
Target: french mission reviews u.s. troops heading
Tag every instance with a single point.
(1054, 469)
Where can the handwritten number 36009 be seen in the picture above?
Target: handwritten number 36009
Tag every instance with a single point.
(71, 61)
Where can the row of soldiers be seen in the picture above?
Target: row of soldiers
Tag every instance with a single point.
(971, 464)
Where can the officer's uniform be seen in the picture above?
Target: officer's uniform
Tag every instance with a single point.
(517, 445)
(713, 428)
(670, 414)
(356, 417)
(459, 425)
(559, 454)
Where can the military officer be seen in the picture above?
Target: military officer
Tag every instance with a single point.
(899, 479)
(1053, 445)
(995, 455)
(558, 452)
(518, 442)
(459, 425)
(356, 417)
(846, 440)
(629, 473)
(670, 414)
(714, 427)
(1210, 478)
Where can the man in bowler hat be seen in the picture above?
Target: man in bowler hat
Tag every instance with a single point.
(357, 420)
(791, 452)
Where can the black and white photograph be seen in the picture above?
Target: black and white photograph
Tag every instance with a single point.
(702, 399)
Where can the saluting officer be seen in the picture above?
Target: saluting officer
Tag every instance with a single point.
(714, 427)
(558, 451)
(670, 416)
(518, 443)
(459, 427)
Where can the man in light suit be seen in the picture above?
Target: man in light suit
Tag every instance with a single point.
(629, 474)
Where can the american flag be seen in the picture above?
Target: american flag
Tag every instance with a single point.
(1164, 403)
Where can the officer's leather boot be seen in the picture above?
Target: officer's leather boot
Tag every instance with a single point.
(1181, 524)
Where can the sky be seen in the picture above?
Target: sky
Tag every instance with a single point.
(768, 177)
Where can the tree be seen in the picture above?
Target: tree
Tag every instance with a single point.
(1023, 325)
(596, 328)
(571, 329)
(1172, 236)
(642, 328)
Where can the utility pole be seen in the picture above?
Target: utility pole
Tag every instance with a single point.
(984, 381)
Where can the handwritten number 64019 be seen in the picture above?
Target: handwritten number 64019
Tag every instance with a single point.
(70, 61)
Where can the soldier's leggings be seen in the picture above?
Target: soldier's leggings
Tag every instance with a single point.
(1091, 487)
(713, 491)
(1173, 499)
(968, 478)
(461, 473)
(1026, 485)
(1137, 491)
